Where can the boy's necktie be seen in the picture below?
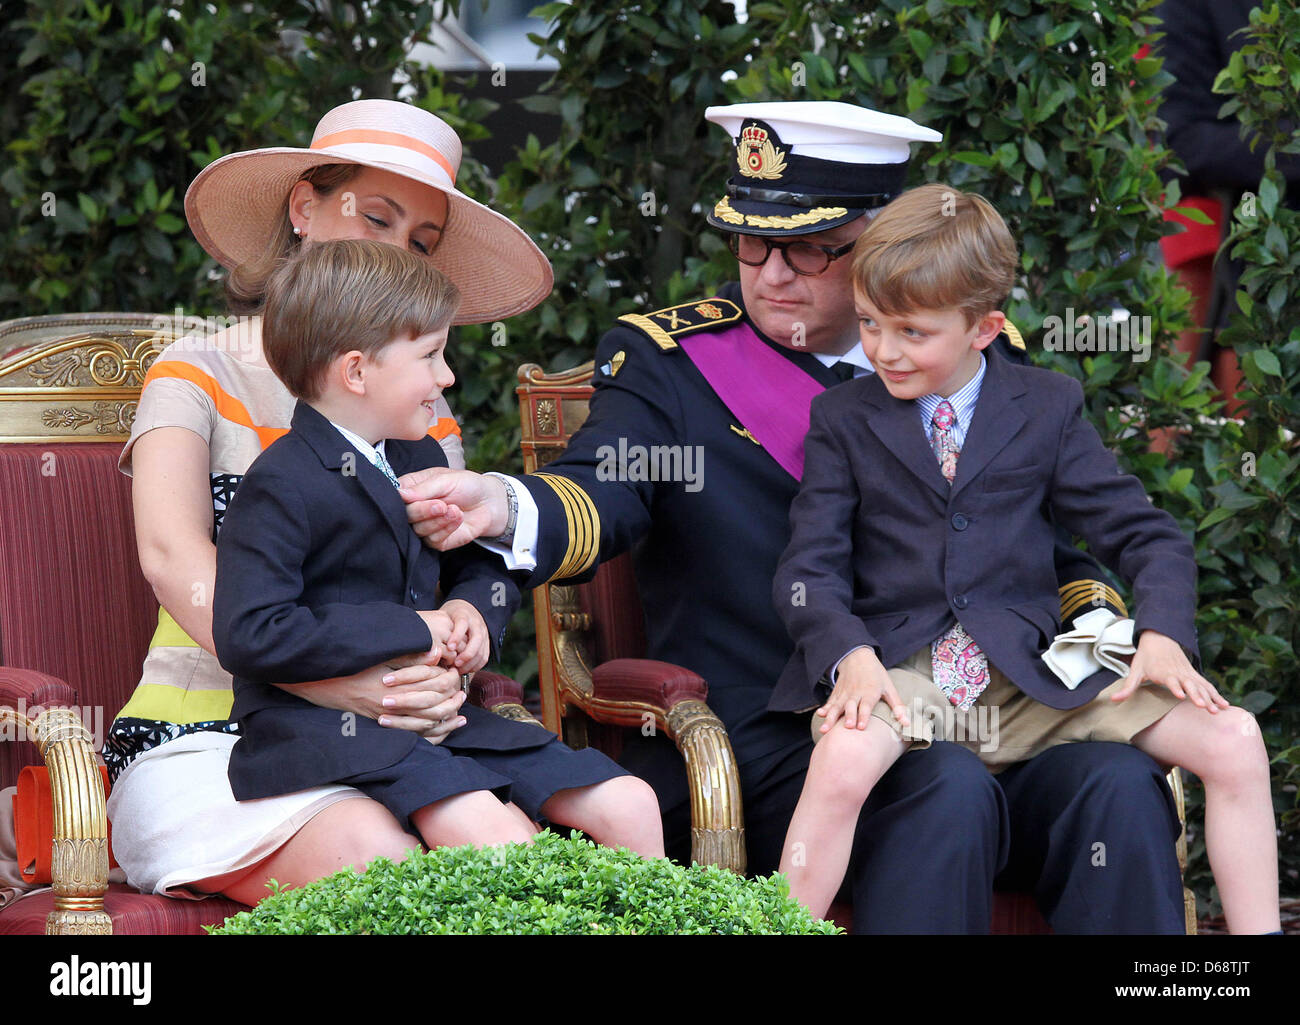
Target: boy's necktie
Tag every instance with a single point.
(961, 670)
(382, 465)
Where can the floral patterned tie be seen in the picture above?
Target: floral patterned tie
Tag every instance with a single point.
(385, 468)
(961, 670)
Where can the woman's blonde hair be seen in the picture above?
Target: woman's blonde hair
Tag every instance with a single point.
(934, 248)
(246, 284)
(344, 294)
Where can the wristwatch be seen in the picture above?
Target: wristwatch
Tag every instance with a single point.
(507, 536)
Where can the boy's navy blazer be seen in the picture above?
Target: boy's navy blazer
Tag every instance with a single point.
(884, 552)
(319, 574)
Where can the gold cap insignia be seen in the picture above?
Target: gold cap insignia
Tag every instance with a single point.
(757, 156)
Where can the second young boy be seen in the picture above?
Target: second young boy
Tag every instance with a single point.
(919, 576)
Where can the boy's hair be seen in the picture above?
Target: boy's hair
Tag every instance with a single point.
(934, 248)
(336, 296)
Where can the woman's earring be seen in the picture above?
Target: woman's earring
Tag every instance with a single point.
(297, 230)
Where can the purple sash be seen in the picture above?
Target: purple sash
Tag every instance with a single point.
(769, 395)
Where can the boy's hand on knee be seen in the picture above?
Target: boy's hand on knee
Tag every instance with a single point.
(1161, 660)
(859, 684)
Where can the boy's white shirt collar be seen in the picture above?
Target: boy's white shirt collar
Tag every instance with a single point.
(364, 447)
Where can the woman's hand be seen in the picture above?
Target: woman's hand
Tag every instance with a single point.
(409, 693)
(450, 508)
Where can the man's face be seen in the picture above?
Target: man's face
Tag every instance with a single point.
(807, 313)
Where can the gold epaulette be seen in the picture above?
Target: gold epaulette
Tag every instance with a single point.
(1083, 593)
(662, 326)
(1014, 336)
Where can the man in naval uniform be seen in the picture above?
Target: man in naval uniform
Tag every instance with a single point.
(724, 384)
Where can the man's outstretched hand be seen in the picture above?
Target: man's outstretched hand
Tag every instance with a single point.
(449, 508)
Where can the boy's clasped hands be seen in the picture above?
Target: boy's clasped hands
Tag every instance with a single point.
(460, 647)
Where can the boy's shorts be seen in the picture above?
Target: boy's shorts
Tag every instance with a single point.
(1005, 725)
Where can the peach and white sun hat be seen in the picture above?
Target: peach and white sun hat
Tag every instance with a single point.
(236, 203)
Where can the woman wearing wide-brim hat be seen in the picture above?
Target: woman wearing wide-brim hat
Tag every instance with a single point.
(375, 169)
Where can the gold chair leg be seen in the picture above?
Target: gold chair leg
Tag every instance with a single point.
(80, 856)
(718, 823)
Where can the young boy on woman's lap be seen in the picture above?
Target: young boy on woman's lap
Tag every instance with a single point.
(319, 574)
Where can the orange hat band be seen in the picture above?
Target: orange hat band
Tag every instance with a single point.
(373, 144)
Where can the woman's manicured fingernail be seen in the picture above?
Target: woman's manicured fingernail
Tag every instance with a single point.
(389, 702)
(384, 720)
(389, 678)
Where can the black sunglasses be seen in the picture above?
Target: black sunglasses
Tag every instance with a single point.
(801, 257)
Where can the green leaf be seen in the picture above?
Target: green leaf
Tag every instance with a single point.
(973, 157)
(1193, 214)
(1267, 362)
(1062, 33)
(1034, 154)
(1268, 197)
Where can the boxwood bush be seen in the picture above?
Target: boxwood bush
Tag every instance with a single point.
(558, 886)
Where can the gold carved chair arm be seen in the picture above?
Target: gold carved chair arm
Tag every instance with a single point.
(79, 868)
(655, 697)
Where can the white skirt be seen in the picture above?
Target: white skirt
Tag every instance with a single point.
(175, 820)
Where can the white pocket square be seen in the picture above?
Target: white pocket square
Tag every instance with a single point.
(1096, 642)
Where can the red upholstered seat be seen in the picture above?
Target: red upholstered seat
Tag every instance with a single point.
(133, 913)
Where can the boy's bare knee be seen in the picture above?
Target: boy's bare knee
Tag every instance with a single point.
(1236, 748)
(845, 765)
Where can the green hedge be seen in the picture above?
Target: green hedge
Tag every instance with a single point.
(555, 887)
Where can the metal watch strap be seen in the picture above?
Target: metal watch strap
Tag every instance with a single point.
(507, 536)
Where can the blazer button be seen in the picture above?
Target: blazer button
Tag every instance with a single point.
(959, 522)
(415, 595)
(960, 601)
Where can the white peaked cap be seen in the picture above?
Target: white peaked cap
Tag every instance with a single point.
(828, 130)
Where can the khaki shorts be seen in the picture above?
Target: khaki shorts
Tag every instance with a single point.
(1005, 725)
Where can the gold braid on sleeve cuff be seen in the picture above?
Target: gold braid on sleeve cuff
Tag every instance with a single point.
(583, 526)
(1082, 595)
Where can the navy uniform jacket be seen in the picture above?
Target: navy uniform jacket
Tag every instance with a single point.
(319, 575)
(885, 552)
(705, 558)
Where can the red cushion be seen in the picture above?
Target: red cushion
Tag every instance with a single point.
(133, 914)
(25, 690)
(73, 602)
(642, 679)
